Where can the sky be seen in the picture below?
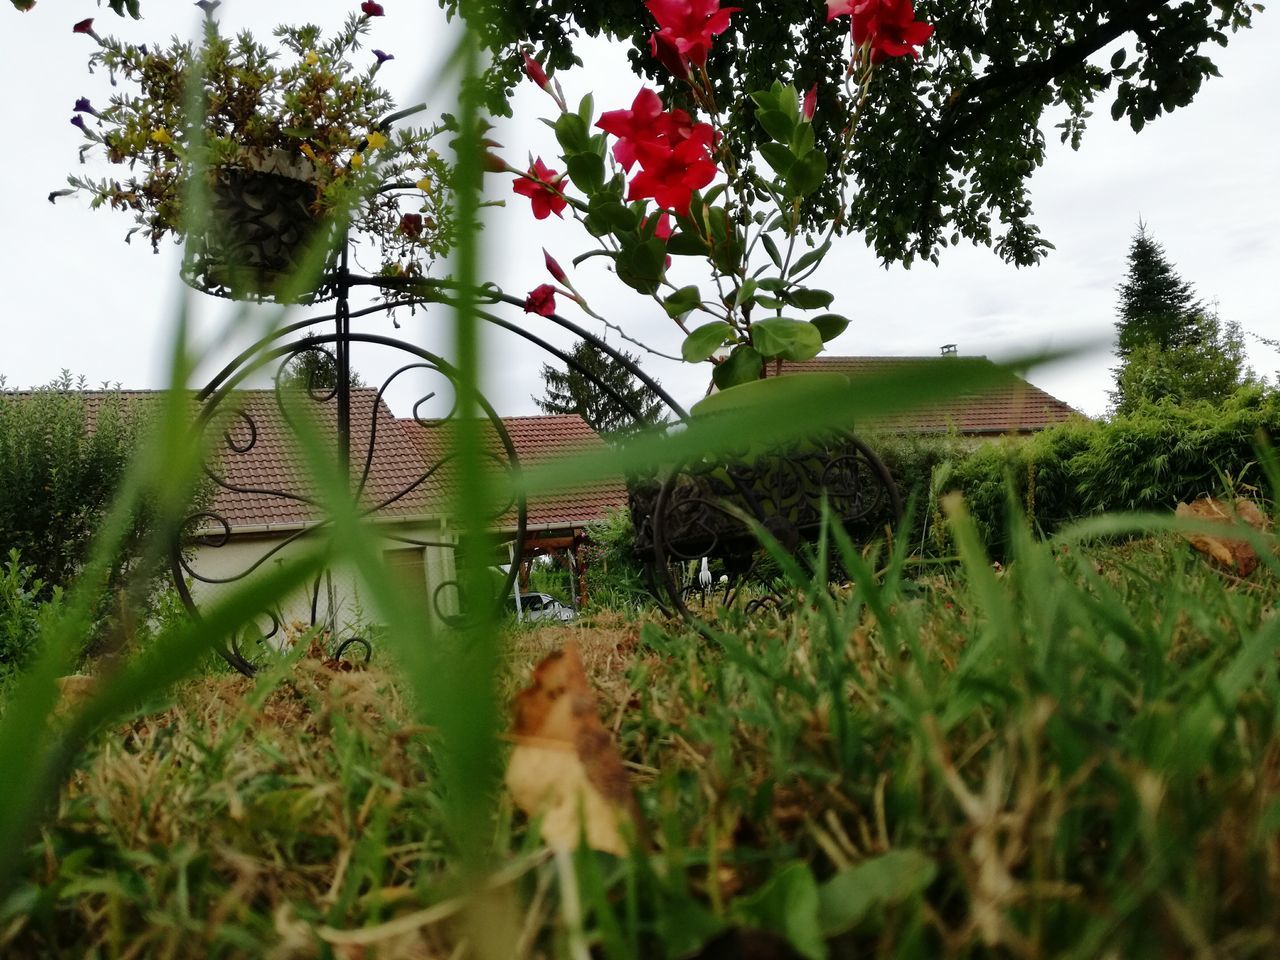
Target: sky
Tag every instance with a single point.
(1204, 179)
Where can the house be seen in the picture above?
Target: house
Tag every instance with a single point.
(1017, 408)
(260, 504)
(556, 523)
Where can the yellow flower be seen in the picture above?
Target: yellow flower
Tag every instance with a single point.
(424, 184)
(161, 136)
(308, 152)
(376, 140)
(312, 58)
(357, 160)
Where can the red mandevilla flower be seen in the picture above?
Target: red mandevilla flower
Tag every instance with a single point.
(685, 29)
(541, 300)
(670, 176)
(84, 26)
(371, 9)
(673, 152)
(888, 25)
(542, 186)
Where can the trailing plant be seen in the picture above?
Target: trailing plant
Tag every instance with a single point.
(305, 108)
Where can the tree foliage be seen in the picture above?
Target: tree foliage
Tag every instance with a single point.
(948, 144)
(1157, 307)
(1171, 346)
(63, 453)
(583, 389)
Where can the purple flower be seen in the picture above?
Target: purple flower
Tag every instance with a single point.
(78, 121)
(383, 56)
(208, 6)
(84, 106)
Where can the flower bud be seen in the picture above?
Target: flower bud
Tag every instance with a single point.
(553, 268)
(533, 70)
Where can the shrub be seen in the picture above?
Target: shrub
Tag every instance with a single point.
(19, 613)
(1152, 458)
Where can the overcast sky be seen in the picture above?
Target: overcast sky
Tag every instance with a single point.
(1204, 179)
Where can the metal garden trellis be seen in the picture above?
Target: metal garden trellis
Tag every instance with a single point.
(687, 512)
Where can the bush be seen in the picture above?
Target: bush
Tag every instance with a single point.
(61, 462)
(1158, 455)
(614, 575)
(21, 607)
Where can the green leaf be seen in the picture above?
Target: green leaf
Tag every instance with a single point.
(641, 265)
(809, 259)
(807, 299)
(704, 341)
(802, 139)
(686, 244)
(745, 292)
(787, 905)
(771, 248)
(571, 131)
(682, 301)
(777, 124)
(742, 366)
(586, 170)
(587, 109)
(786, 338)
(830, 326)
(808, 173)
(850, 896)
(779, 157)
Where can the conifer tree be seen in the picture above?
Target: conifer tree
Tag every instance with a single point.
(1157, 307)
(576, 391)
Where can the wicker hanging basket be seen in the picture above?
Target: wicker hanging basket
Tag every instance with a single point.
(261, 230)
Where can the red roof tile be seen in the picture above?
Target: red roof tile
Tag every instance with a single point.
(1016, 407)
(539, 440)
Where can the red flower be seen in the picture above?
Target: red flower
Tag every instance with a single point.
(533, 70)
(84, 26)
(670, 176)
(888, 25)
(541, 300)
(371, 9)
(673, 152)
(553, 268)
(411, 225)
(685, 29)
(542, 186)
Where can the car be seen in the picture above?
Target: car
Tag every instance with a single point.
(541, 606)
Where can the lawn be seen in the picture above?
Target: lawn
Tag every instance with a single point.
(1075, 755)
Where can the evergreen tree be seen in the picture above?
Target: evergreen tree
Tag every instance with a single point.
(1171, 347)
(580, 391)
(1157, 307)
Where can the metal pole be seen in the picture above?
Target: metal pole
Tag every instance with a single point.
(342, 319)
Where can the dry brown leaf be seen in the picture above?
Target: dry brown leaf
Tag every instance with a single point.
(1235, 555)
(565, 767)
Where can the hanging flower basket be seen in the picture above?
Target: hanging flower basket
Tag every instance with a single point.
(262, 231)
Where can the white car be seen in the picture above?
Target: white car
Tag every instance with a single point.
(542, 606)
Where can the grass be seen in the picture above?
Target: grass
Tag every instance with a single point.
(1075, 756)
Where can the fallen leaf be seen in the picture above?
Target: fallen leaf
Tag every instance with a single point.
(564, 767)
(1233, 554)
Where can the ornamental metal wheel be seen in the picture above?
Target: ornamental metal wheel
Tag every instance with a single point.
(712, 509)
(401, 477)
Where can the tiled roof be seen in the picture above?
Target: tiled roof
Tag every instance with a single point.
(1015, 407)
(257, 455)
(538, 440)
(385, 466)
